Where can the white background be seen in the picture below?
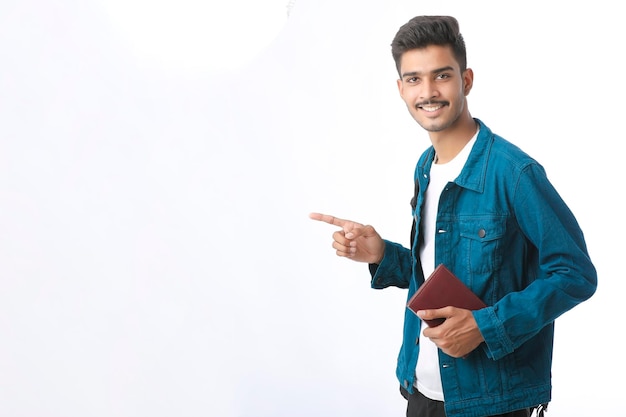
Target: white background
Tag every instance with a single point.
(158, 161)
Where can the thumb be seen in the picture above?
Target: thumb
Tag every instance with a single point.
(355, 230)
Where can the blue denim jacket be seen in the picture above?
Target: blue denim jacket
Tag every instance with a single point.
(504, 230)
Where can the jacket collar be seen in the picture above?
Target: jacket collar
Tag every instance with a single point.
(473, 174)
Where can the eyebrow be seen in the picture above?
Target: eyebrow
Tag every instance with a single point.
(435, 71)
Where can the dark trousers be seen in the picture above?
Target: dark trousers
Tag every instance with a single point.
(421, 406)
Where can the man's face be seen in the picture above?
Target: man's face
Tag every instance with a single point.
(433, 87)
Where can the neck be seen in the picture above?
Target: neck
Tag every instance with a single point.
(449, 142)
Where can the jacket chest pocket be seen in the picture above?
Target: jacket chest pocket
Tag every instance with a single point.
(482, 241)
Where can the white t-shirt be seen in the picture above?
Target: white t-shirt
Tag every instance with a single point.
(428, 378)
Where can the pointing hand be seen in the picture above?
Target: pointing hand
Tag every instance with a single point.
(355, 241)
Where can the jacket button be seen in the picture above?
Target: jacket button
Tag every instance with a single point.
(481, 233)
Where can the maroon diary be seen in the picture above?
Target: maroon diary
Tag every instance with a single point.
(443, 289)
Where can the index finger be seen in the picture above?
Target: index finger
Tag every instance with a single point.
(327, 218)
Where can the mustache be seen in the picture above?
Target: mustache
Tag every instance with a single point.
(431, 103)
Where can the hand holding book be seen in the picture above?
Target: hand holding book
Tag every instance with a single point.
(443, 289)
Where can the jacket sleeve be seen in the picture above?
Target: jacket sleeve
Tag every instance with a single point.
(394, 269)
(566, 275)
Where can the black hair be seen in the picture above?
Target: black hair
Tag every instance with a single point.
(423, 31)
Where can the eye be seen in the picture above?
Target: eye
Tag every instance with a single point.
(411, 80)
(443, 76)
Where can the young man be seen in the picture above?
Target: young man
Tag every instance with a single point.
(487, 211)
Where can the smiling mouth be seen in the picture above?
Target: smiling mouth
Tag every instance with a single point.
(430, 107)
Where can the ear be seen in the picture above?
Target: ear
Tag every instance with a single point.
(400, 88)
(468, 81)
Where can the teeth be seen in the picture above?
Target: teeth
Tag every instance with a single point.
(431, 108)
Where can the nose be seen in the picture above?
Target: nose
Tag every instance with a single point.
(428, 90)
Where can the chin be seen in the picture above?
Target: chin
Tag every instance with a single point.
(432, 126)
